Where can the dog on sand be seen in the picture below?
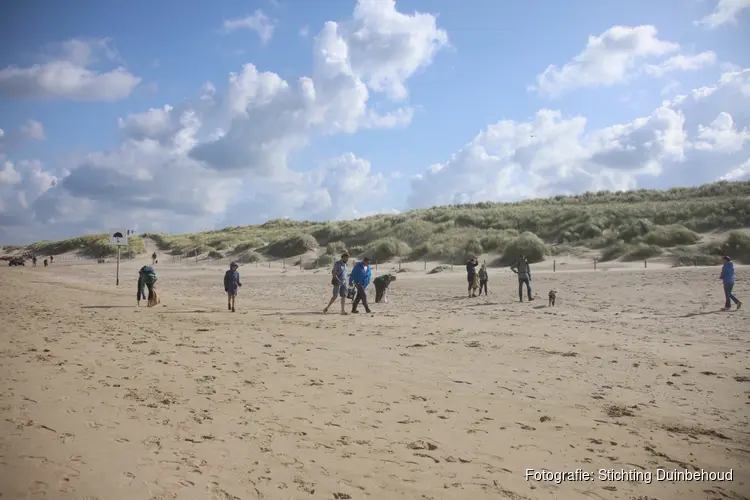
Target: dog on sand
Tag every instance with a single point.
(552, 296)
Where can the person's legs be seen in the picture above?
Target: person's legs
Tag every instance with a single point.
(234, 299)
(528, 289)
(362, 295)
(339, 291)
(470, 283)
(150, 287)
(728, 287)
(356, 301)
(483, 286)
(229, 301)
(520, 289)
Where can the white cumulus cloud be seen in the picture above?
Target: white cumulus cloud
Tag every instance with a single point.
(258, 22)
(725, 12)
(552, 154)
(67, 74)
(227, 152)
(608, 59)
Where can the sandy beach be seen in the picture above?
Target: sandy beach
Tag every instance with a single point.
(434, 396)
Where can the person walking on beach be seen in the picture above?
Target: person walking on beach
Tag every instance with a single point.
(360, 277)
(232, 284)
(523, 270)
(381, 287)
(338, 281)
(727, 277)
(483, 279)
(51, 259)
(33, 261)
(153, 258)
(471, 276)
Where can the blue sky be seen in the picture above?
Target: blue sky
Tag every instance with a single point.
(404, 105)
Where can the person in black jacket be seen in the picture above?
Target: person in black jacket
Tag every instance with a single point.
(523, 270)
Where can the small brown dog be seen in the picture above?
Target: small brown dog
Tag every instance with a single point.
(552, 296)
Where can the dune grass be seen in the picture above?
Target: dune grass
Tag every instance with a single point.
(94, 245)
(626, 225)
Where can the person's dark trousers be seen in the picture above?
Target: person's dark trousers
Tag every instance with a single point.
(361, 296)
(471, 280)
(141, 290)
(482, 286)
(379, 291)
(521, 281)
(728, 295)
(150, 287)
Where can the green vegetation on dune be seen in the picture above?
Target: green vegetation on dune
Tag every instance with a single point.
(93, 245)
(627, 225)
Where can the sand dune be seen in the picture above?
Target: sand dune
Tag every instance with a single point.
(435, 396)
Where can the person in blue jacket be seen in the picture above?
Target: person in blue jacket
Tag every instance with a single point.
(727, 277)
(360, 277)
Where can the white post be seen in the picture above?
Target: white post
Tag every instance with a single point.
(117, 282)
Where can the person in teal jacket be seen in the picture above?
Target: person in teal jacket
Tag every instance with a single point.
(727, 277)
(360, 277)
(147, 278)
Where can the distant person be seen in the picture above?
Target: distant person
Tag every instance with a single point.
(46, 263)
(33, 261)
(381, 287)
(51, 259)
(483, 279)
(523, 270)
(727, 277)
(232, 284)
(471, 276)
(339, 274)
(153, 258)
(360, 277)
(149, 278)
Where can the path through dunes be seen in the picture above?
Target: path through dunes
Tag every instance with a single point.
(436, 396)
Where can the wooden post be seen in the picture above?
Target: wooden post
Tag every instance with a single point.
(425, 264)
(117, 279)
(399, 264)
(300, 264)
(452, 259)
(269, 263)
(595, 264)
(283, 262)
(376, 265)
(645, 263)
(554, 266)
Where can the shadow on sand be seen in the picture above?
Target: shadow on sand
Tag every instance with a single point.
(106, 307)
(296, 313)
(704, 313)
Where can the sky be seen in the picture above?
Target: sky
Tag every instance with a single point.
(183, 116)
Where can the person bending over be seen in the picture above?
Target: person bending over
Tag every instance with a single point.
(381, 287)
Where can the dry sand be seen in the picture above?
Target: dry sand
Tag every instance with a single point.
(436, 396)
